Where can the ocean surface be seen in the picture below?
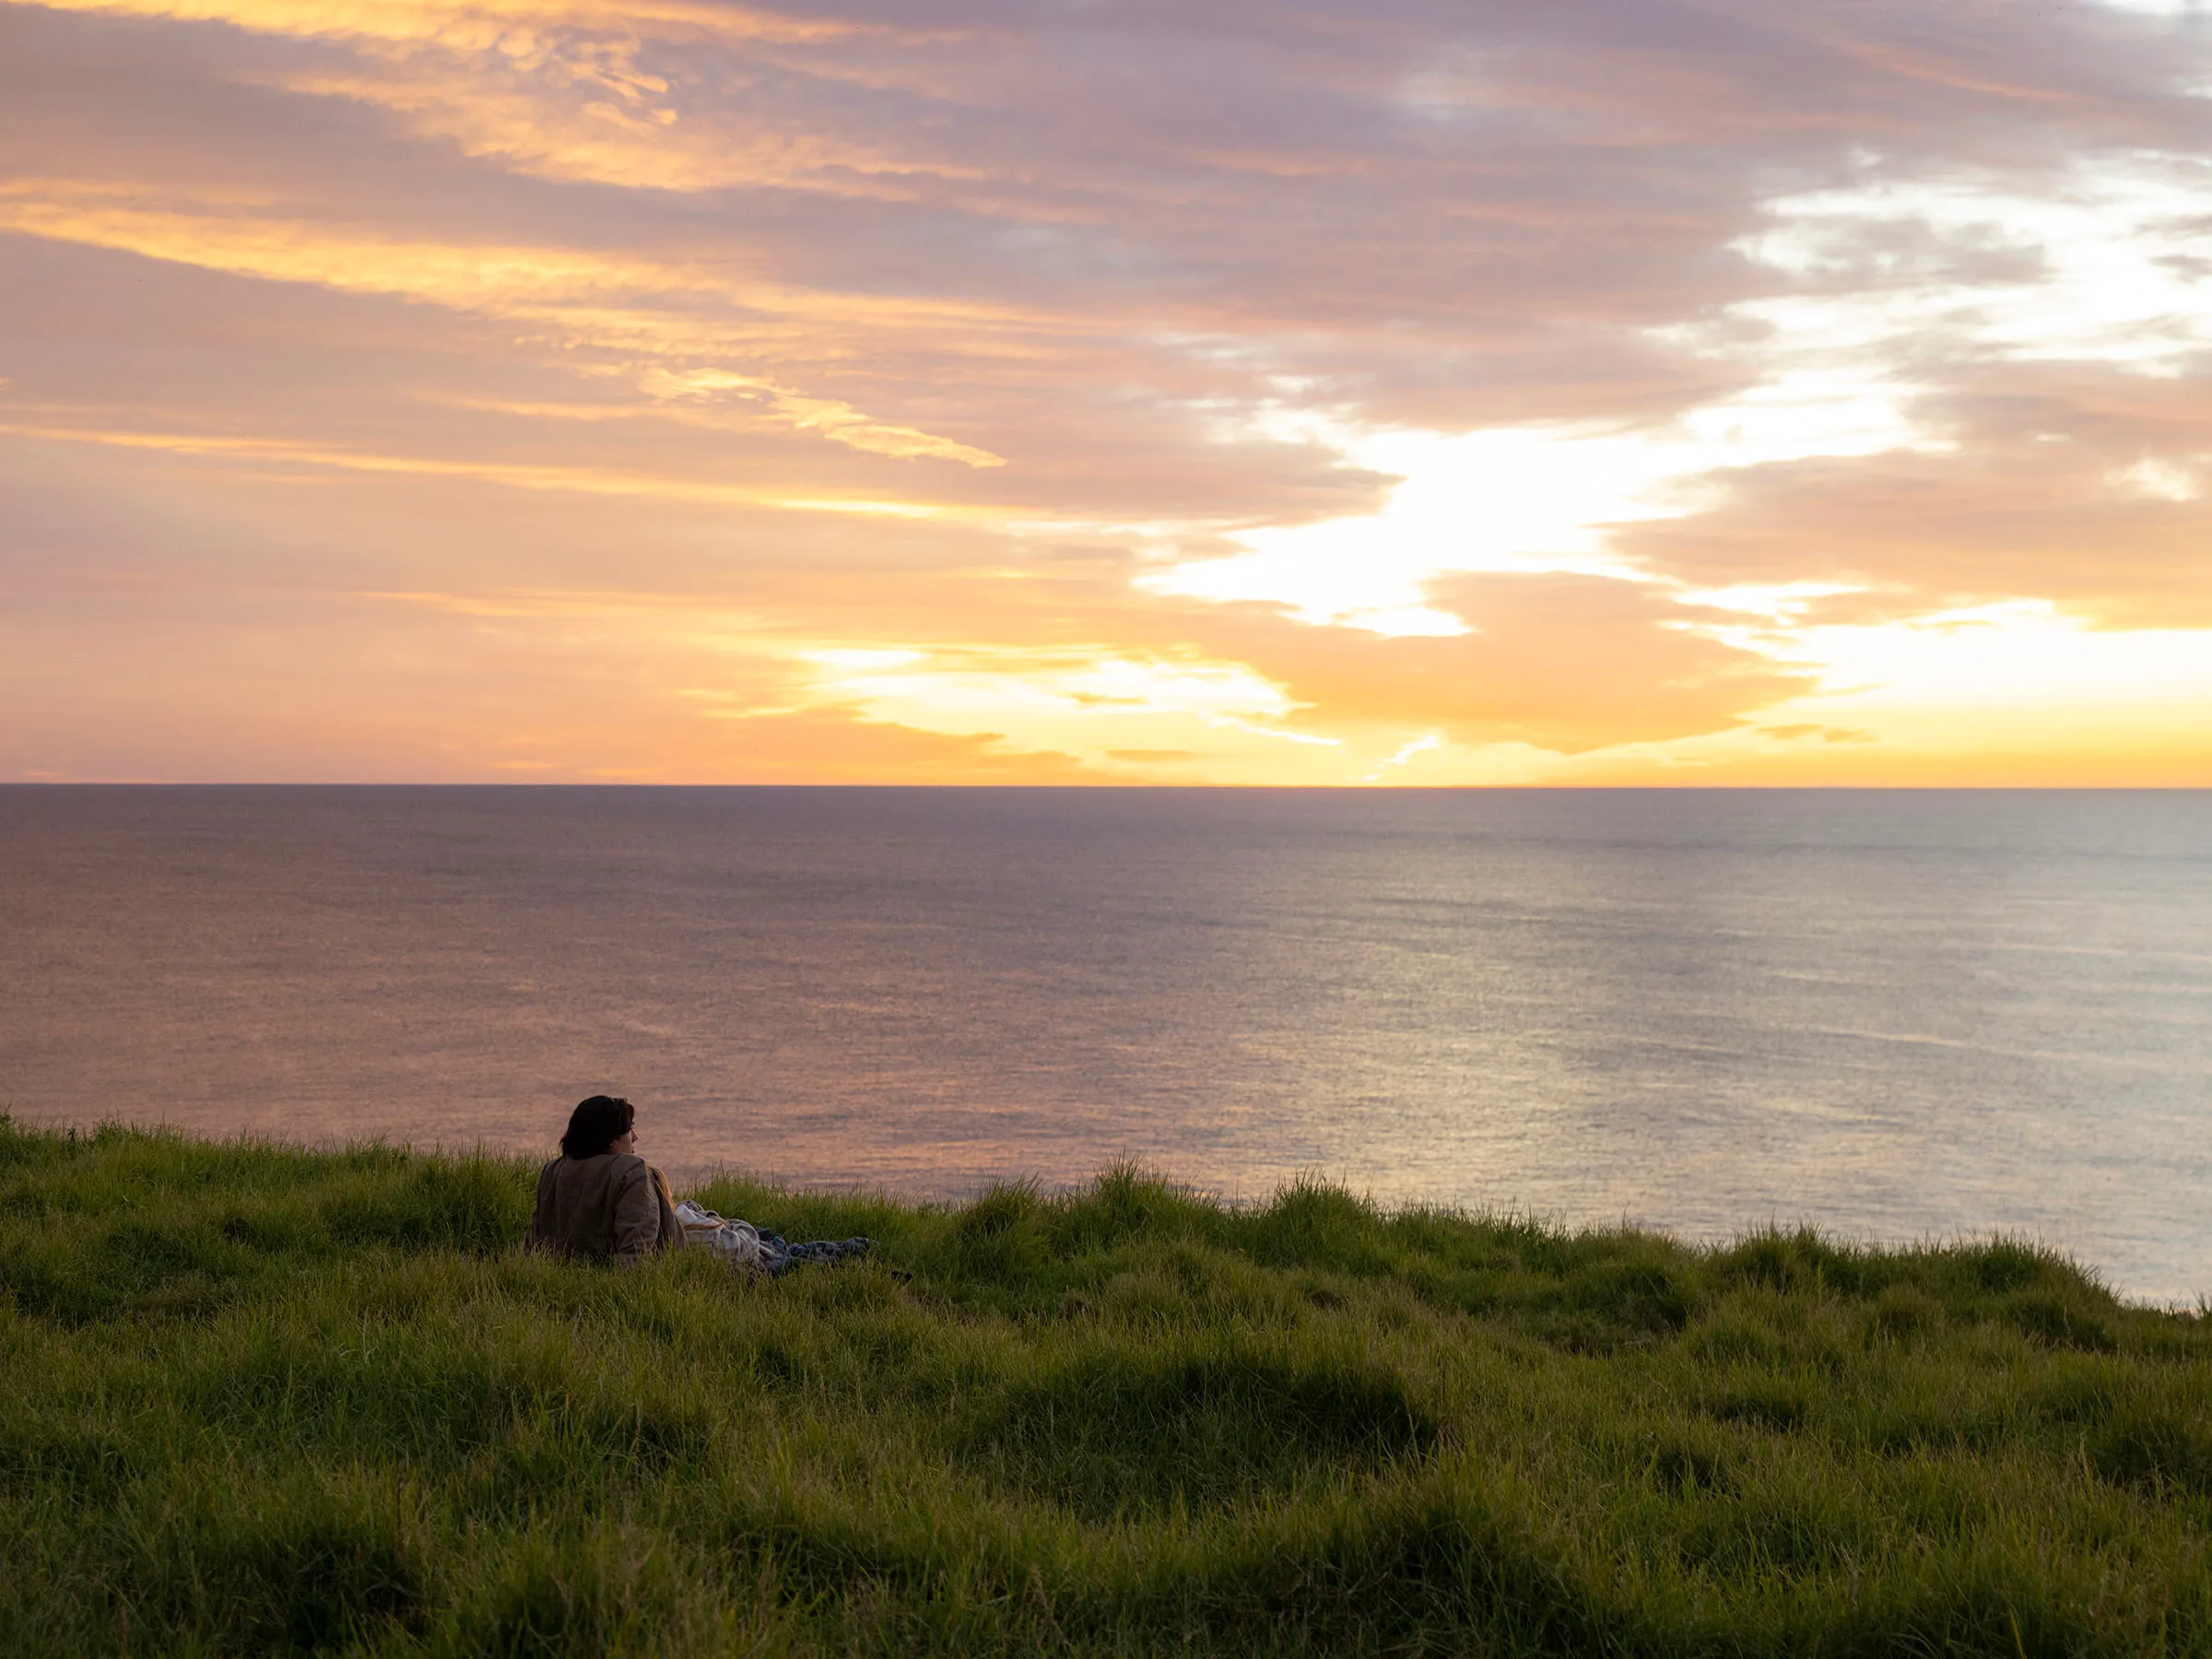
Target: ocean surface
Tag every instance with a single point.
(1893, 1015)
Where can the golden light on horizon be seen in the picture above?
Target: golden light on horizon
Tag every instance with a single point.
(672, 391)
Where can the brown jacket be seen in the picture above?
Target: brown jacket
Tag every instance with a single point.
(615, 1205)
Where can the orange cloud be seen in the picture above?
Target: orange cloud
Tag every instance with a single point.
(666, 388)
(513, 26)
(509, 475)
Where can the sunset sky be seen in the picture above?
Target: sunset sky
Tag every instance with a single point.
(1408, 392)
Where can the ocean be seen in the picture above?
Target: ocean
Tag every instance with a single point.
(1893, 1015)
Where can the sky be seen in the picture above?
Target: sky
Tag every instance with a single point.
(1405, 392)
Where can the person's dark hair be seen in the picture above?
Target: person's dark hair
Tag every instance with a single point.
(597, 1125)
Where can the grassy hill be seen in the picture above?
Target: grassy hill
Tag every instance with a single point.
(255, 1399)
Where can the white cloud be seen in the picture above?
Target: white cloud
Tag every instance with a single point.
(2107, 264)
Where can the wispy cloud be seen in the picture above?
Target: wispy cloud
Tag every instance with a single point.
(1436, 391)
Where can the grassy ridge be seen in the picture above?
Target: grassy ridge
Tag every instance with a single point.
(258, 1399)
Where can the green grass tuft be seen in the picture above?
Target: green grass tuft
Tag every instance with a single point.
(260, 1400)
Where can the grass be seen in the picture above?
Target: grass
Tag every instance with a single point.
(256, 1399)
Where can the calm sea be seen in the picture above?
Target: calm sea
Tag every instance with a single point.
(1893, 1015)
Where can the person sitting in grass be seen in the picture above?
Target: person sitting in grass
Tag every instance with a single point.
(599, 1198)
